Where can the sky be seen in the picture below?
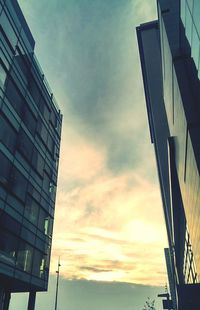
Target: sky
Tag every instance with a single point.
(109, 230)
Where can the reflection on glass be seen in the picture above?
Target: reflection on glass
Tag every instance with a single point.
(24, 257)
(48, 225)
(188, 22)
(2, 75)
(183, 11)
(196, 15)
(195, 47)
(199, 73)
(8, 29)
(31, 210)
(190, 4)
(38, 266)
(8, 247)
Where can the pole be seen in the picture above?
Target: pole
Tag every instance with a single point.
(57, 282)
(31, 300)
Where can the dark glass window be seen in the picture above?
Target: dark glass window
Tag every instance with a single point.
(20, 61)
(18, 184)
(8, 135)
(42, 131)
(8, 246)
(47, 257)
(25, 145)
(48, 170)
(53, 119)
(46, 182)
(33, 192)
(7, 222)
(38, 161)
(26, 41)
(6, 49)
(50, 145)
(52, 191)
(13, 13)
(3, 75)
(43, 216)
(48, 226)
(14, 96)
(8, 29)
(37, 269)
(25, 256)
(31, 210)
(46, 113)
(44, 109)
(5, 168)
(34, 90)
(29, 120)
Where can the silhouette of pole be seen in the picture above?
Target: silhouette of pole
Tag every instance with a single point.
(57, 282)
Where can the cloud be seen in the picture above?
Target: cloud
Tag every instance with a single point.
(108, 223)
(102, 229)
(80, 158)
(95, 72)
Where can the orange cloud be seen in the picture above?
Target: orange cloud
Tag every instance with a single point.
(103, 229)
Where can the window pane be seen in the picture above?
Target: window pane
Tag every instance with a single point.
(196, 15)
(20, 63)
(19, 184)
(183, 11)
(38, 264)
(14, 96)
(6, 49)
(8, 247)
(188, 25)
(25, 257)
(34, 90)
(33, 192)
(8, 135)
(31, 210)
(4, 169)
(42, 131)
(195, 47)
(2, 75)
(50, 144)
(42, 218)
(38, 161)
(199, 73)
(7, 28)
(24, 145)
(29, 120)
(44, 109)
(46, 182)
(190, 4)
(48, 226)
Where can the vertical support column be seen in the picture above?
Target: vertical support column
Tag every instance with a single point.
(31, 300)
(1, 297)
(6, 300)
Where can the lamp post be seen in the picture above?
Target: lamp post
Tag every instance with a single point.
(57, 271)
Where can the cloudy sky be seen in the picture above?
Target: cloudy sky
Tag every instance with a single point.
(108, 223)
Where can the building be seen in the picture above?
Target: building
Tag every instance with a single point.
(169, 53)
(171, 277)
(30, 130)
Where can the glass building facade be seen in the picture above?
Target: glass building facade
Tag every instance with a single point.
(190, 12)
(30, 130)
(179, 47)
